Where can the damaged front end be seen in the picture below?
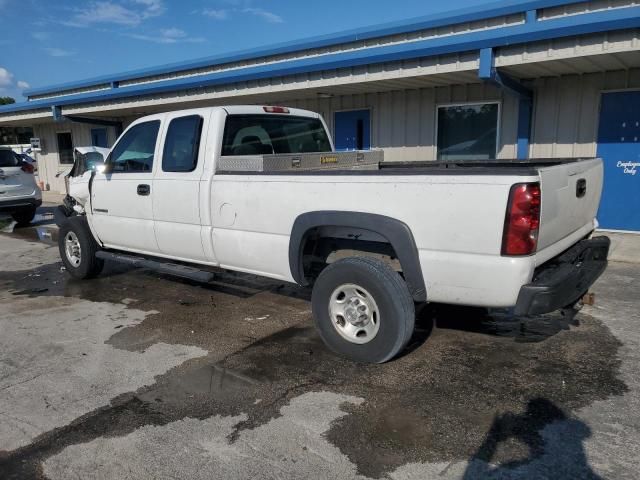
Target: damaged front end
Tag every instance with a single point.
(77, 180)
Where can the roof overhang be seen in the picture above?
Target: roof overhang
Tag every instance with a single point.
(507, 39)
(472, 14)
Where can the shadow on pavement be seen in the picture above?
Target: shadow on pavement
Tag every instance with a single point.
(497, 323)
(527, 428)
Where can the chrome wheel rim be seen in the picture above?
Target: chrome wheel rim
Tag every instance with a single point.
(72, 249)
(354, 313)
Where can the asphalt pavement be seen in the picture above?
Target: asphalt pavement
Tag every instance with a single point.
(139, 375)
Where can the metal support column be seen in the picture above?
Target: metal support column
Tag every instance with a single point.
(489, 73)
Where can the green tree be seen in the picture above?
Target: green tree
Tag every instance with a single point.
(7, 100)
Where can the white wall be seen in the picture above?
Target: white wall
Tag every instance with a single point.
(48, 159)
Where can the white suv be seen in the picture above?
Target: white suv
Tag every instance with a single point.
(19, 193)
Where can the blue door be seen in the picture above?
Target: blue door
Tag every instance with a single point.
(619, 147)
(99, 137)
(352, 130)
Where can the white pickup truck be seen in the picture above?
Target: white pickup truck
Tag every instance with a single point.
(245, 188)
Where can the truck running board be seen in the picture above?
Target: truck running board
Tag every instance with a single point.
(177, 270)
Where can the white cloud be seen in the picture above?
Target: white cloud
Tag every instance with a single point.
(152, 8)
(173, 33)
(264, 14)
(59, 52)
(167, 36)
(6, 78)
(216, 14)
(23, 85)
(130, 14)
(42, 36)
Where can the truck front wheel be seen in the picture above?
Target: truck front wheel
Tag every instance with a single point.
(363, 310)
(78, 249)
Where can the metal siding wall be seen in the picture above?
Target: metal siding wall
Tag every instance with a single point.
(566, 112)
(565, 120)
(404, 121)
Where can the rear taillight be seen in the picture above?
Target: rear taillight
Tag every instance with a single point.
(522, 223)
(27, 167)
(276, 109)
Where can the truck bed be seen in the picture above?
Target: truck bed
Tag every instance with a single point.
(454, 167)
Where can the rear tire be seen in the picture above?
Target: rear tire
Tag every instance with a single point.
(363, 310)
(24, 216)
(78, 249)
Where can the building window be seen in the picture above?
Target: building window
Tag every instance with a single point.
(182, 144)
(65, 147)
(135, 150)
(468, 132)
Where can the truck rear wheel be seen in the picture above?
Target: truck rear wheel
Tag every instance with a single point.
(78, 249)
(363, 310)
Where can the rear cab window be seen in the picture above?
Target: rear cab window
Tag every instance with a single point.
(182, 144)
(256, 134)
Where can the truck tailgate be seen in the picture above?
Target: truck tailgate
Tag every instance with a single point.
(570, 198)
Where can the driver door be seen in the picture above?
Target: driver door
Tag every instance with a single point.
(122, 196)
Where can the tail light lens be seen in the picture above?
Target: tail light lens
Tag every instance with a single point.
(27, 167)
(522, 223)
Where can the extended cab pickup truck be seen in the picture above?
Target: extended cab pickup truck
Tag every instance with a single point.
(260, 190)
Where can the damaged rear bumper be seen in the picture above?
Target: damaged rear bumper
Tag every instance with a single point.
(563, 281)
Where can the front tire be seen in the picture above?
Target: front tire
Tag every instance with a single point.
(24, 216)
(363, 310)
(78, 249)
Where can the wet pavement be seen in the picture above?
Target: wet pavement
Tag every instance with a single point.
(136, 375)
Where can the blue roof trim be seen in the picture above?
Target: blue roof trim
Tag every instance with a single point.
(490, 10)
(528, 32)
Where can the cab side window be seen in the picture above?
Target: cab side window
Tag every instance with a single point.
(182, 144)
(135, 151)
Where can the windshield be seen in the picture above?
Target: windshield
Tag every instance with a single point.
(271, 134)
(8, 159)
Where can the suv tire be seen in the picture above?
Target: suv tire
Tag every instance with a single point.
(24, 216)
(78, 249)
(363, 310)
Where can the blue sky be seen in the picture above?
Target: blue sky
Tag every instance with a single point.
(45, 42)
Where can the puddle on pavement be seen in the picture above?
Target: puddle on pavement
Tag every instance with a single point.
(41, 229)
(206, 382)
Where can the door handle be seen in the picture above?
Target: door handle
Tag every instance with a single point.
(144, 190)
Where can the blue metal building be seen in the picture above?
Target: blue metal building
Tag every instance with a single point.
(526, 79)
